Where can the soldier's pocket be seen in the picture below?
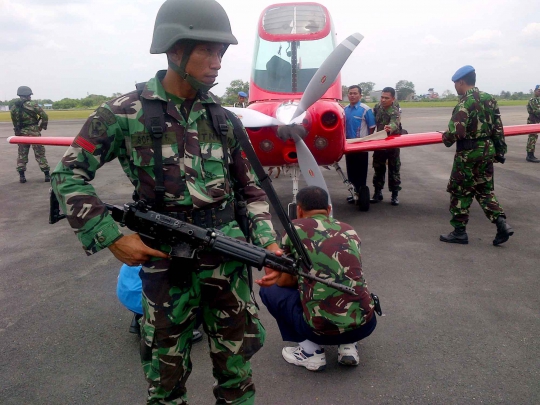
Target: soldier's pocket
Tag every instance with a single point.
(213, 166)
(143, 156)
(147, 339)
(161, 360)
(254, 335)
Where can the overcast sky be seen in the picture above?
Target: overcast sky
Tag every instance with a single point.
(71, 48)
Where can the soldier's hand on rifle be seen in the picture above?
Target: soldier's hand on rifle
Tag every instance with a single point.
(131, 250)
(271, 276)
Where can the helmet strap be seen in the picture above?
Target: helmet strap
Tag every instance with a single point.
(181, 69)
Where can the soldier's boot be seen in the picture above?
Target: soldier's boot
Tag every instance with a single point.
(458, 235)
(532, 158)
(135, 327)
(504, 231)
(377, 196)
(22, 177)
(47, 176)
(394, 200)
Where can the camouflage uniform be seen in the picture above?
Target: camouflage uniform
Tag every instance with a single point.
(533, 108)
(477, 128)
(389, 116)
(173, 290)
(26, 116)
(334, 249)
(315, 311)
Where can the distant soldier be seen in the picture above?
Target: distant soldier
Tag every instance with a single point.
(314, 314)
(477, 130)
(533, 108)
(28, 120)
(242, 100)
(387, 117)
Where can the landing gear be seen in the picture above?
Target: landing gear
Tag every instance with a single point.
(363, 199)
(291, 208)
(360, 197)
(291, 211)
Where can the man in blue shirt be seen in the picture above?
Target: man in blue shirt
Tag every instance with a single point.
(359, 122)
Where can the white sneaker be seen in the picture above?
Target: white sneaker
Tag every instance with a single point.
(348, 354)
(298, 357)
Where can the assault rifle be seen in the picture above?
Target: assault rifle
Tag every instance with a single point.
(186, 239)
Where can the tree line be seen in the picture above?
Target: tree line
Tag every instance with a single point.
(90, 101)
(404, 91)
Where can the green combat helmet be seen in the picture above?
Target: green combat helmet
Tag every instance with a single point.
(190, 21)
(24, 91)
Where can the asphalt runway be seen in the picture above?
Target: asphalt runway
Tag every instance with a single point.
(461, 323)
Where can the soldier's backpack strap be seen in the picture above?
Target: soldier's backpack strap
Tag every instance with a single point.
(154, 121)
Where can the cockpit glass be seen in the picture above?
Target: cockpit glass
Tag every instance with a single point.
(288, 66)
(295, 19)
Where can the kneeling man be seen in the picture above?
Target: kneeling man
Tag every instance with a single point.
(312, 313)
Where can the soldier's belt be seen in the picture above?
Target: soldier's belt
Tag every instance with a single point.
(209, 218)
(468, 144)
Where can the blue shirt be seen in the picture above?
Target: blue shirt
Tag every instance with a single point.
(353, 120)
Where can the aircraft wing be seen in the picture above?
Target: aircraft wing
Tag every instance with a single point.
(425, 138)
(41, 140)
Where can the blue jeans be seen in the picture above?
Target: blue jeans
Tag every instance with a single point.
(284, 304)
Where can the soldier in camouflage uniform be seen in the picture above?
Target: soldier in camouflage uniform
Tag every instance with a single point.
(242, 100)
(477, 130)
(388, 118)
(533, 108)
(28, 120)
(312, 313)
(198, 185)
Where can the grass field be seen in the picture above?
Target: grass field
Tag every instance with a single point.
(54, 115)
(82, 114)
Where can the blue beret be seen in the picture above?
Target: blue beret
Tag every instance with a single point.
(242, 94)
(537, 87)
(462, 71)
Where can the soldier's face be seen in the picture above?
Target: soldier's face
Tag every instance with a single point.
(205, 62)
(459, 86)
(387, 99)
(241, 99)
(354, 96)
(537, 93)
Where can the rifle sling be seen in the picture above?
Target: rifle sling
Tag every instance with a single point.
(266, 184)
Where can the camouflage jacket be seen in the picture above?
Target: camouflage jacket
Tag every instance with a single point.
(193, 166)
(389, 116)
(476, 116)
(26, 117)
(533, 108)
(334, 249)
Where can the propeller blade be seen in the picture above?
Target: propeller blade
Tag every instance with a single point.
(254, 119)
(327, 73)
(308, 165)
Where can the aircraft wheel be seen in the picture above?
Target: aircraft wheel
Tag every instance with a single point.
(291, 208)
(363, 199)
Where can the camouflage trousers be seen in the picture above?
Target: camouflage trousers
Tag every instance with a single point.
(472, 180)
(531, 142)
(171, 300)
(39, 153)
(379, 166)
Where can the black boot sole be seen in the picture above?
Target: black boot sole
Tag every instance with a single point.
(503, 239)
(459, 242)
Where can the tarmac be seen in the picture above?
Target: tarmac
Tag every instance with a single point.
(461, 323)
